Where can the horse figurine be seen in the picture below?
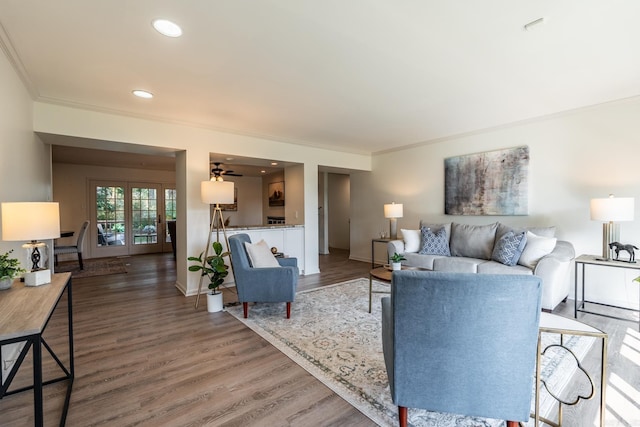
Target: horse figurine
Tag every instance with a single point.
(622, 247)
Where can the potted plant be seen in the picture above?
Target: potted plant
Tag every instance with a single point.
(396, 261)
(214, 268)
(9, 269)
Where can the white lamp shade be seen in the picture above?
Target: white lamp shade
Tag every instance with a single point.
(212, 192)
(393, 210)
(30, 221)
(612, 209)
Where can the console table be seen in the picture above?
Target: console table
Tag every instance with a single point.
(579, 304)
(24, 315)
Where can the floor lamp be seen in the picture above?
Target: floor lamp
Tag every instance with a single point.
(216, 191)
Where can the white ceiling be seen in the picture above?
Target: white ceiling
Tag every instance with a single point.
(355, 75)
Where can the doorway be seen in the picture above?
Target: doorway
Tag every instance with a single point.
(131, 217)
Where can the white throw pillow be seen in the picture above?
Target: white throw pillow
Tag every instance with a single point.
(411, 240)
(260, 255)
(536, 248)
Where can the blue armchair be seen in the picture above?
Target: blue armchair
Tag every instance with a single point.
(462, 343)
(272, 284)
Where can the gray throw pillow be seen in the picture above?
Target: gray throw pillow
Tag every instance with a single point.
(509, 248)
(473, 241)
(434, 243)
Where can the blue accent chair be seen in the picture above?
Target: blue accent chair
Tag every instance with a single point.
(274, 284)
(462, 343)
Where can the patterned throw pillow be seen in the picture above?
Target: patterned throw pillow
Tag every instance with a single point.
(434, 243)
(509, 248)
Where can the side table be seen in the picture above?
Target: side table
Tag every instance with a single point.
(552, 323)
(377, 240)
(579, 303)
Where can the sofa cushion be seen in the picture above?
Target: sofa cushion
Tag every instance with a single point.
(260, 255)
(509, 248)
(536, 248)
(434, 243)
(473, 241)
(494, 267)
(457, 264)
(411, 240)
(414, 259)
(538, 231)
(437, 226)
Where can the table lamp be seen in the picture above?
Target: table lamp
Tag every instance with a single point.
(610, 210)
(393, 211)
(32, 221)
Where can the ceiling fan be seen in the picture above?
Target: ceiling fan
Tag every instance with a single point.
(217, 171)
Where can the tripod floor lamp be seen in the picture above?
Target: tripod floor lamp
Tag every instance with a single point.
(216, 191)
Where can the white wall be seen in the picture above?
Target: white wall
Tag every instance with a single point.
(574, 157)
(294, 186)
(249, 201)
(25, 172)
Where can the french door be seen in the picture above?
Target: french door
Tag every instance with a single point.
(130, 217)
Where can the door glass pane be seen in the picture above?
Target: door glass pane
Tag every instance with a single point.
(144, 212)
(169, 209)
(110, 215)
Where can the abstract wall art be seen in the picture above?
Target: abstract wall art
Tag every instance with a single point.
(489, 183)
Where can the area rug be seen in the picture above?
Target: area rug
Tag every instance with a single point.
(92, 267)
(332, 335)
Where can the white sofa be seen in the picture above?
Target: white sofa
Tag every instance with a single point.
(476, 249)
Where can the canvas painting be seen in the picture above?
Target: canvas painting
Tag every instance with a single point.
(276, 194)
(489, 183)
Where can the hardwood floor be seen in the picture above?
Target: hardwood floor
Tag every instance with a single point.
(145, 356)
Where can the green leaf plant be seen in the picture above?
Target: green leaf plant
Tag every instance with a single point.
(9, 267)
(213, 267)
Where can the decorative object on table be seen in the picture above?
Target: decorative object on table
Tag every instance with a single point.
(611, 210)
(393, 211)
(629, 248)
(274, 250)
(396, 261)
(215, 191)
(9, 270)
(276, 193)
(32, 221)
(489, 183)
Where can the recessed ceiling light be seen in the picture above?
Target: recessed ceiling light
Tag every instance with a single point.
(274, 163)
(263, 171)
(142, 94)
(167, 28)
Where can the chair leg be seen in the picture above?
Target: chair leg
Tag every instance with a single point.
(80, 261)
(402, 415)
(288, 310)
(245, 308)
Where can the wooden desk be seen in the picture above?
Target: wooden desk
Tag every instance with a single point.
(24, 315)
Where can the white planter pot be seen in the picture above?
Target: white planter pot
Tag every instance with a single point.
(214, 302)
(396, 265)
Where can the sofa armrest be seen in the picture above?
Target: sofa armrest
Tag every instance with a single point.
(288, 262)
(395, 246)
(554, 270)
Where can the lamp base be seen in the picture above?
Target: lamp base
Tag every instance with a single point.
(37, 278)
